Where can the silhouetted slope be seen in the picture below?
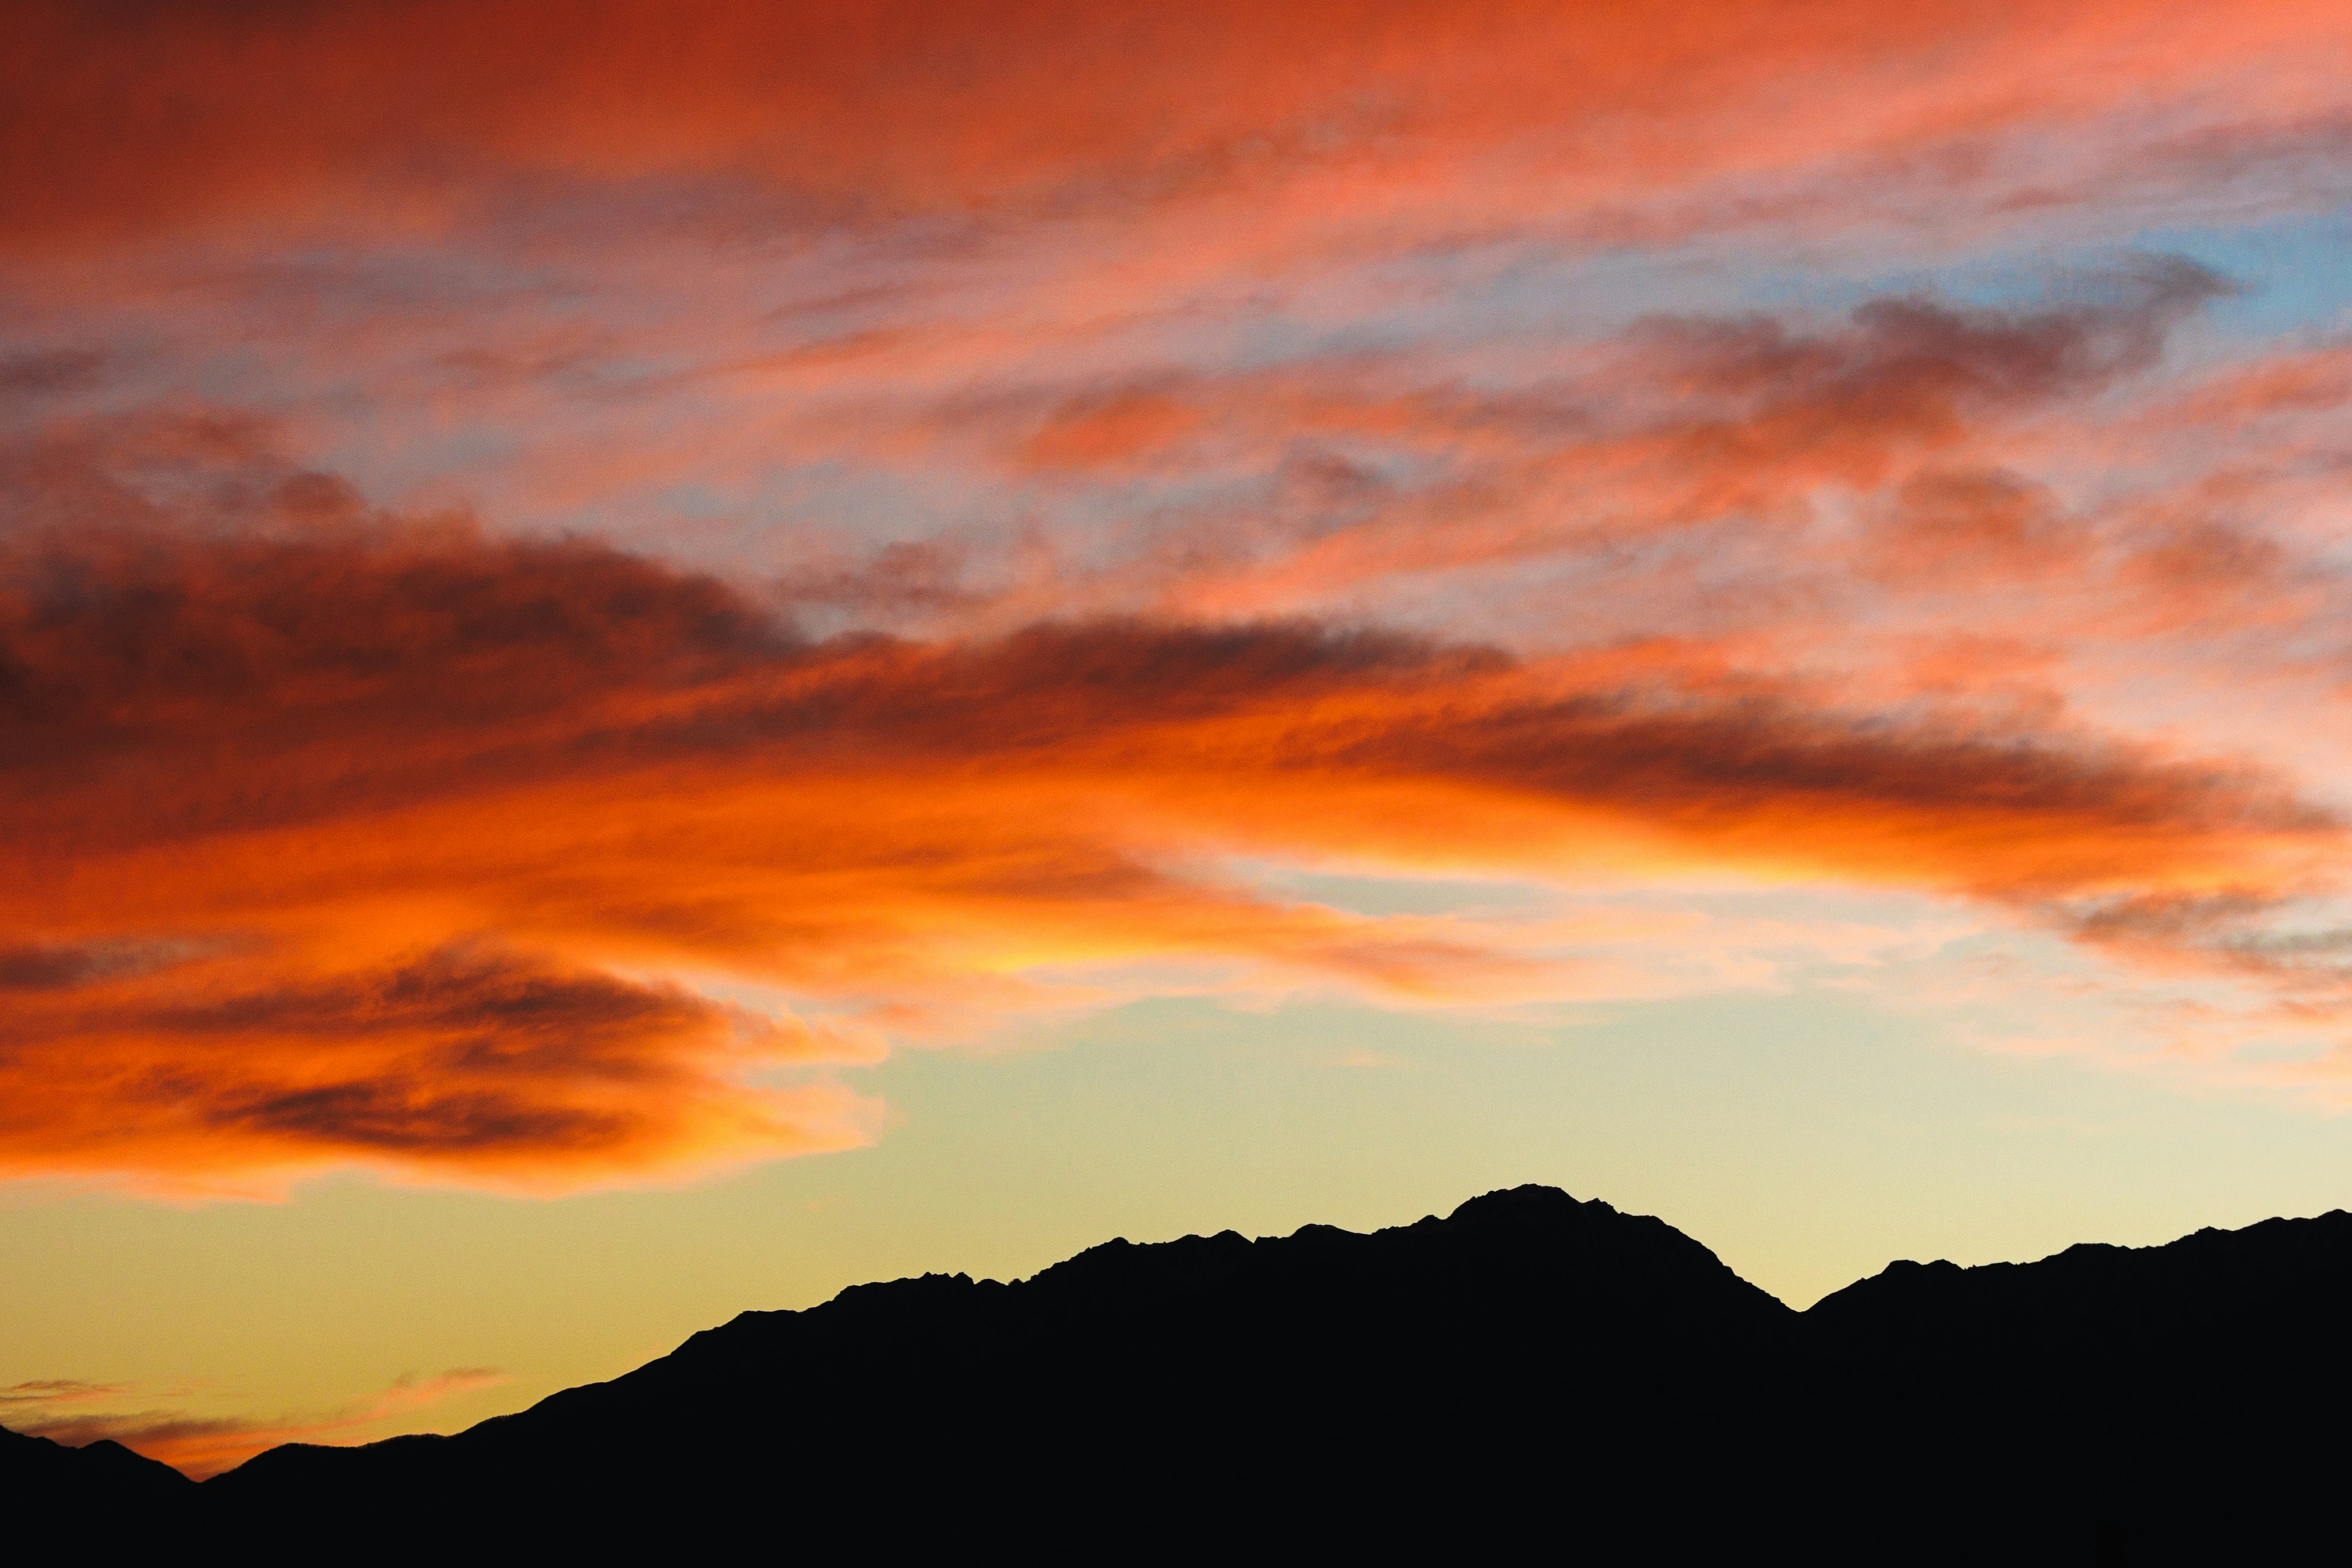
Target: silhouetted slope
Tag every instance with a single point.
(2093, 1302)
(2153, 1397)
(1530, 1373)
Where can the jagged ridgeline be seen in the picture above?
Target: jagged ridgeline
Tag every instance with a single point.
(1531, 1373)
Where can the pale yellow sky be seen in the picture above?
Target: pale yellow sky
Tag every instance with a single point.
(1808, 1138)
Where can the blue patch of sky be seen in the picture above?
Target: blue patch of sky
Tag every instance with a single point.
(2294, 273)
(785, 507)
(2292, 269)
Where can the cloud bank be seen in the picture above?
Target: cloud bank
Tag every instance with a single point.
(561, 593)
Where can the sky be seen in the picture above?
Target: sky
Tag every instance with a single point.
(656, 658)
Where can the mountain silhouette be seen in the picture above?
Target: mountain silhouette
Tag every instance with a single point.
(1528, 1373)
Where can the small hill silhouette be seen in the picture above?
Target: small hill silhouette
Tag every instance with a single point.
(101, 1479)
(1531, 1372)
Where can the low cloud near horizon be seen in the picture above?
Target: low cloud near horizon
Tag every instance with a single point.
(75, 1413)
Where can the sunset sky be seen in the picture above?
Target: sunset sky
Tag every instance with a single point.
(656, 658)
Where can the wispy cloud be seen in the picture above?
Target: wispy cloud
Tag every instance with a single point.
(871, 110)
(74, 1413)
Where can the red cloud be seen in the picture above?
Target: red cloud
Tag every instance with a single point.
(1676, 425)
(127, 121)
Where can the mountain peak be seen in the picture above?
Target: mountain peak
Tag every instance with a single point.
(1521, 1204)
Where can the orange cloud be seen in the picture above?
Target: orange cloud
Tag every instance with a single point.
(357, 842)
(511, 1071)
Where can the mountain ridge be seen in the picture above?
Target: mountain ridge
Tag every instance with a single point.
(1527, 1352)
